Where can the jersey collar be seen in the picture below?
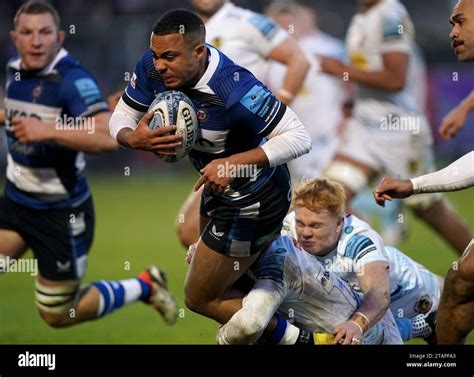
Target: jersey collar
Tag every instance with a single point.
(49, 69)
(202, 84)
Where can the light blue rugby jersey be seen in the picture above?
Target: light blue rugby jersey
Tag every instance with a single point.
(235, 111)
(47, 175)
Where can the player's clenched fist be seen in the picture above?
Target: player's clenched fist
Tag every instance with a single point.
(390, 188)
(157, 141)
(31, 130)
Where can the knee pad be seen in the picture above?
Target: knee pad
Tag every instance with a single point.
(56, 300)
(347, 174)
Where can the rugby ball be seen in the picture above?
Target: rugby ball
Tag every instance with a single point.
(175, 108)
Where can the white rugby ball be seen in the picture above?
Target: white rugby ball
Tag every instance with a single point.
(175, 108)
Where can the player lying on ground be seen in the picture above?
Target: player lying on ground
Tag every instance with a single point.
(47, 204)
(456, 310)
(251, 40)
(295, 285)
(352, 249)
(388, 131)
(238, 215)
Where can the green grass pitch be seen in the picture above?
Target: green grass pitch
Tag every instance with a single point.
(135, 228)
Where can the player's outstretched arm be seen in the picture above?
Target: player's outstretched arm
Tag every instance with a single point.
(391, 77)
(89, 134)
(456, 118)
(457, 176)
(2, 117)
(297, 66)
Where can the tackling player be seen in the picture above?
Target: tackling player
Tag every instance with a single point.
(456, 310)
(241, 124)
(295, 285)
(47, 204)
(388, 132)
(353, 250)
(251, 40)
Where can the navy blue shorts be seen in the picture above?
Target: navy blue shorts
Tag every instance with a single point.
(241, 228)
(59, 238)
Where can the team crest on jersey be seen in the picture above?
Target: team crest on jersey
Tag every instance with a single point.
(201, 115)
(424, 304)
(348, 229)
(37, 91)
(324, 281)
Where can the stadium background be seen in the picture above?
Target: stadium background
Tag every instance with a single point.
(136, 212)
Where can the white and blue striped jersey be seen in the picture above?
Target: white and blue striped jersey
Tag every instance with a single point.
(290, 282)
(46, 175)
(235, 112)
(315, 298)
(413, 289)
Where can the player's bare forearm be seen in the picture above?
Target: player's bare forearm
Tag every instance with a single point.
(256, 157)
(2, 117)
(468, 102)
(92, 138)
(391, 77)
(386, 79)
(297, 65)
(375, 284)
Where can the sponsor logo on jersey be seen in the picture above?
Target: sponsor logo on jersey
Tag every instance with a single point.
(88, 90)
(348, 229)
(255, 98)
(63, 267)
(37, 91)
(215, 233)
(424, 304)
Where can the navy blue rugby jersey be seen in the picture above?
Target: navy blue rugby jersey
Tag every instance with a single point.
(235, 112)
(46, 175)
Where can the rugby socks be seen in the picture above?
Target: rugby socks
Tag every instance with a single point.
(284, 333)
(115, 294)
(405, 328)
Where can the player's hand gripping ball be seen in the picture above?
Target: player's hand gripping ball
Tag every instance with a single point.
(175, 108)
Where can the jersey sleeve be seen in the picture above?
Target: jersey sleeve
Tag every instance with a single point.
(289, 226)
(264, 34)
(253, 106)
(138, 94)
(365, 247)
(81, 94)
(397, 31)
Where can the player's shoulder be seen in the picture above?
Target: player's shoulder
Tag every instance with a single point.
(281, 251)
(254, 22)
(358, 238)
(229, 80)
(72, 72)
(392, 8)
